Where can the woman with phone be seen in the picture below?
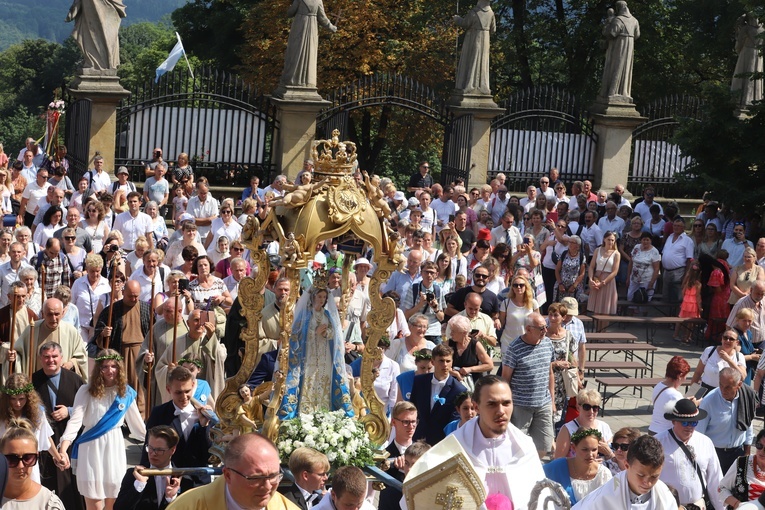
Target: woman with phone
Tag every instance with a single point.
(714, 358)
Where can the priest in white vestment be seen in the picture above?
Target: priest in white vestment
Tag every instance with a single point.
(504, 458)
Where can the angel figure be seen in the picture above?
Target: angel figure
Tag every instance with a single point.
(250, 413)
(298, 194)
(376, 195)
(251, 228)
(292, 250)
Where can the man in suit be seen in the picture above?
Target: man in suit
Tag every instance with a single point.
(310, 469)
(57, 388)
(434, 395)
(404, 416)
(250, 478)
(191, 425)
(139, 492)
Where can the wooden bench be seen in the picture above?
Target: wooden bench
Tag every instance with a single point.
(631, 350)
(661, 307)
(651, 324)
(610, 336)
(623, 383)
(617, 366)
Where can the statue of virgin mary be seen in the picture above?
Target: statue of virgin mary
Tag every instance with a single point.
(316, 379)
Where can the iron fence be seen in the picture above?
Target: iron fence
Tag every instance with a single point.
(77, 136)
(542, 127)
(655, 158)
(226, 126)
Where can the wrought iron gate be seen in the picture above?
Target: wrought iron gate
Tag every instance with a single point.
(226, 126)
(542, 127)
(77, 136)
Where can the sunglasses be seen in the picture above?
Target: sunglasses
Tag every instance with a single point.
(482, 276)
(620, 446)
(519, 285)
(730, 338)
(590, 407)
(759, 446)
(225, 212)
(29, 459)
(70, 238)
(234, 248)
(689, 423)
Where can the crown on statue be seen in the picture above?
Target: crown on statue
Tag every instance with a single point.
(320, 278)
(333, 157)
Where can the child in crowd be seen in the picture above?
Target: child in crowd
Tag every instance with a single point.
(467, 410)
(459, 282)
(180, 201)
(691, 306)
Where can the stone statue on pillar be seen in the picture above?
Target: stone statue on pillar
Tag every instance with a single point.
(96, 30)
(748, 46)
(473, 67)
(620, 32)
(298, 80)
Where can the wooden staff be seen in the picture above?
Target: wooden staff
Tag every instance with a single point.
(175, 323)
(42, 280)
(12, 367)
(151, 349)
(111, 301)
(30, 356)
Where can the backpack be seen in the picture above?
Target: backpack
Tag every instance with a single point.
(578, 231)
(556, 258)
(116, 184)
(61, 255)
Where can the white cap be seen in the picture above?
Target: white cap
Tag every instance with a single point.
(399, 195)
(360, 261)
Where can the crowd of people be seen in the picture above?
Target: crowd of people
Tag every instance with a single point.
(95, 292)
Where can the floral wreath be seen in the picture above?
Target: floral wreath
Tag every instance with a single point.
(28, 388)
(115, 357)
(194, 362)
(582, 433)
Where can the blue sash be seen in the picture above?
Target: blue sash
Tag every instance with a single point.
(108, 421)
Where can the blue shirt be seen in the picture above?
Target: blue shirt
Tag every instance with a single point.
(401, 283)
(720, 424)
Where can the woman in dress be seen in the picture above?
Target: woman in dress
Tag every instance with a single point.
(6, 190)
(621, 442)
(444, 278)
(710, 243)
(101, 407)
(603, 270)
(402, 350)
(668, 392)
(51, 222)
(159, 227)
(714, 359)
(459, 262)
(316, 378)
(19, 446)
(742, 327)
(643, 267)
(570, 270)
(74, 253)
(94, 224)
(565, 349)
(224, 225)
(627, 243)
(79, 194)
(518, 305)
(588, 404)
(470, 356)
(583, 473)
(28, 276)
(696, 234)
(182, 171)
(496, 282)
(745, 480)
(208, 288)
(19, 400)
(743, 277)
(655, 227)
(715, 291)
(501, 252)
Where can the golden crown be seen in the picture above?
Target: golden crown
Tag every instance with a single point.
(320, 278)
(333, 157)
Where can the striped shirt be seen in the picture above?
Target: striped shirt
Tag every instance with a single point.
(531, 372)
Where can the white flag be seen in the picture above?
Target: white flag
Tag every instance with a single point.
(172, 59)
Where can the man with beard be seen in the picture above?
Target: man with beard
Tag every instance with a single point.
(57, 388)
(504, 458)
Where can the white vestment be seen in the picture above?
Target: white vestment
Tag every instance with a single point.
(615, 494)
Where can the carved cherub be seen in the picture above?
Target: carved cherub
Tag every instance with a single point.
(292, 250)
(251, 228)
(375, 195)
(395, 249)
(299, 194)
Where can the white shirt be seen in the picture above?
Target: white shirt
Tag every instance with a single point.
(678, 472)
(676, 252)
(85, 298)
(132, 228)
(143, 279)
(510, 236)
(549, 193)
(232, 285)
(435, 389)
(644, 210)
(592, 237)
(188, 417)
(34, 194)
(101, 181)
(443, 210)
(8, 275)
(203, 210)
(218, 228)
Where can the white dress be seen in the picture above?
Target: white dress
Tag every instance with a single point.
(101, 464)
(316, 386)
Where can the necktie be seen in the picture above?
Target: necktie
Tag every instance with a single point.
(507, 237)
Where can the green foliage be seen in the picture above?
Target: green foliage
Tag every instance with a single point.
(728, 152)
(16, 125)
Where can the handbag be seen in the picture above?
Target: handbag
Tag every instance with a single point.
(570, 375)
(640, 296)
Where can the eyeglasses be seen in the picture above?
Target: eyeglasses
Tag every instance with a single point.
(234, 248)
(407, 423)
(259, 479)
(559, 188)
(730, 338)
(160, 451)
(620, 446)
(590, 407)
(481, 276)
(29, 459)
(698, 225)
(689, 423)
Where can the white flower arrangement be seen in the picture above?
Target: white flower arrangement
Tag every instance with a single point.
(57, 105)
(343, 440)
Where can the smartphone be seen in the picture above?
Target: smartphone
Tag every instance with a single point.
(696, 391)
(204, 316)
(451, 218)
(474, 332)
(183, 284)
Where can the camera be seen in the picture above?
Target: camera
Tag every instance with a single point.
(157, 154)
(112, 248)
(183, 284)
(430, 296)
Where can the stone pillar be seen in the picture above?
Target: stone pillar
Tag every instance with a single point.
(614, 124)
(297, 130)
(480, 139)
(105, 92)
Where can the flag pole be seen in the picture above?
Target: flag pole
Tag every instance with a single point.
(184, 55)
